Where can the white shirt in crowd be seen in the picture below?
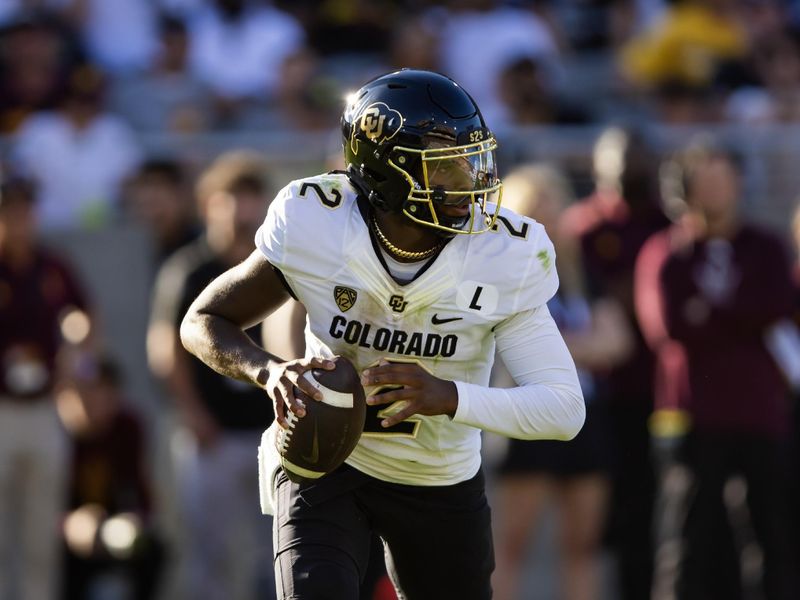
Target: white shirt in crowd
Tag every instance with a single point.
(9, 8)
(242, 58)
(121, 35)
(477, 46)
(79, 172)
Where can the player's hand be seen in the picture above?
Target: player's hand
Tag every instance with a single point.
(282, 380)
(424, 393)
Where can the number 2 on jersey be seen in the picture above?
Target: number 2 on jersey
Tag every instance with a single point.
(377, 413)
(329, 202)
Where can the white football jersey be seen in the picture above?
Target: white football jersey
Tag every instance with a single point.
(443, 319)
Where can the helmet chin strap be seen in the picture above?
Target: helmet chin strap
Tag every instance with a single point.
(364, 184)
(424, 214)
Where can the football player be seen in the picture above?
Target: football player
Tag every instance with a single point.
(407, 266)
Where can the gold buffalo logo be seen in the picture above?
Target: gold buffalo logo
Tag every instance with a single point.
(376, 123)
(345, 297)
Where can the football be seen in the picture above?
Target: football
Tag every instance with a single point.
(320, 441)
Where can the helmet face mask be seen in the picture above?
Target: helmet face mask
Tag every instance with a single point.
(452, 187)
(416, 144)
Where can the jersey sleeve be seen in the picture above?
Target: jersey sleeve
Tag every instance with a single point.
(534, 266)
(271, 236)
(302, 236)
(541, 278)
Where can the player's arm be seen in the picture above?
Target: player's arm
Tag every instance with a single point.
(548, 402)
(213, 330)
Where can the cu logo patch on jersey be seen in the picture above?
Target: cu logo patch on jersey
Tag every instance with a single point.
(397, 303)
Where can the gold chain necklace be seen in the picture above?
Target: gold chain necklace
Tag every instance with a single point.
(399, 252)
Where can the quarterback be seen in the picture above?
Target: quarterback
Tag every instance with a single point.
(408, 266)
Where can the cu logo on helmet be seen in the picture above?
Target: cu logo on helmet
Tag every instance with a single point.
(377, 118)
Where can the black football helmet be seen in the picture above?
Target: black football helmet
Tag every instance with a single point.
(415, 143)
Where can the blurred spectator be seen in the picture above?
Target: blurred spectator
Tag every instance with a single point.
(586, 26)
(348, 26)
(79, 155)
(795, 464)
(632, 17)
(530, 101)
(414, 44)
(715, 285)
(159, 198)
(611, 225)
(479, 38)
(308, 98)
(774, 96)
(36, 56)
(41, 305)
(592, 27)
(11, 9)
(181, 8)
(167, 97)
(686, 45)
(237, 48)
(110, 542)
(679, 103)
(120, 35)
(229, 546)
(574, 476)
(795, 237)
(763, 19)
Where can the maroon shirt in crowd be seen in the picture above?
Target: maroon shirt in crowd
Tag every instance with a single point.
(32, 302)
(108, 468)
(611, 235)
(717, 299)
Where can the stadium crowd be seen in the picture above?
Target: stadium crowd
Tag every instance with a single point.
(679, 305)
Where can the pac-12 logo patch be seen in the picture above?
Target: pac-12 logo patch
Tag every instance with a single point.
(345, 297)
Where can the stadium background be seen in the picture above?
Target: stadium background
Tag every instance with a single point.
(551, 74)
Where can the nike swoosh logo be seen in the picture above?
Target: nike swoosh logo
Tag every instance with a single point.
(313, 458)
(437, 321)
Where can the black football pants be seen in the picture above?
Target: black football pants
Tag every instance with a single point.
(438, 540)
